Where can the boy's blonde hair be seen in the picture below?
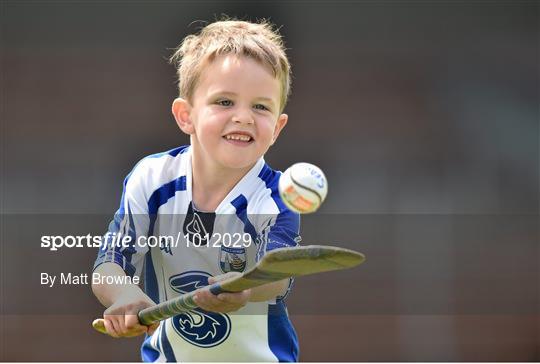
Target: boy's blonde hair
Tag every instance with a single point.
(260, 41)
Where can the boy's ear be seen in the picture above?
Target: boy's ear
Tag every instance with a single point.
(181, 110)
(281, 122)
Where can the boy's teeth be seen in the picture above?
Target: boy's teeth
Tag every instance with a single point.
(244, 138)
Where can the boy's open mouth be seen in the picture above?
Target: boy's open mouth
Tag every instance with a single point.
(238, 138)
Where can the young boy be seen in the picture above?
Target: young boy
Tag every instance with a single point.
(220, 195)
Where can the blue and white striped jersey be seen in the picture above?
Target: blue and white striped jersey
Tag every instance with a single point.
(250, 221)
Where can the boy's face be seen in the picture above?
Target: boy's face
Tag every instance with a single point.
(234, 115)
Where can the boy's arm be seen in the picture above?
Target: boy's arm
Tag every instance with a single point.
(131, 220)
(107, 294)
(230, 302)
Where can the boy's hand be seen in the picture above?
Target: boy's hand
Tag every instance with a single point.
(121, 317)
(223, 302)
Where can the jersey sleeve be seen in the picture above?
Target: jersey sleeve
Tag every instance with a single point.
(281, 231)
(277, 226)
(131, 220)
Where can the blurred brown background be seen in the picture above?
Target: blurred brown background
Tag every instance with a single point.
(423, 115)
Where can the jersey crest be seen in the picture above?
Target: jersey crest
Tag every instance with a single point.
(232, 259)
(198, 327)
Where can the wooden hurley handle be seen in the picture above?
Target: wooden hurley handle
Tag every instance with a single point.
(99, 325)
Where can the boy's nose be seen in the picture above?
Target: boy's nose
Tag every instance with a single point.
(243, 117)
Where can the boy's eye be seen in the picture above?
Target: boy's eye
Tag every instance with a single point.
(224, 102)
(260, 107)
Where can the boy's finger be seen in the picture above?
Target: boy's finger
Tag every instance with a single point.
(133, 326)
(119, 324)
(205, 300)
(115, 322)
(132, 322)
(110, 328)
(224, 302)
(203, 297)
(240, 297)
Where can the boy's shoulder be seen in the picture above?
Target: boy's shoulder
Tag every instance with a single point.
(169, 153)
(161, 162)
(266, 198)
(158, 169)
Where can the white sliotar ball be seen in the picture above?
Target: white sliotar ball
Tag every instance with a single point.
(303, 187)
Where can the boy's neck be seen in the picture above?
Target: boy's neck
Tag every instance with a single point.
(210, 185)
